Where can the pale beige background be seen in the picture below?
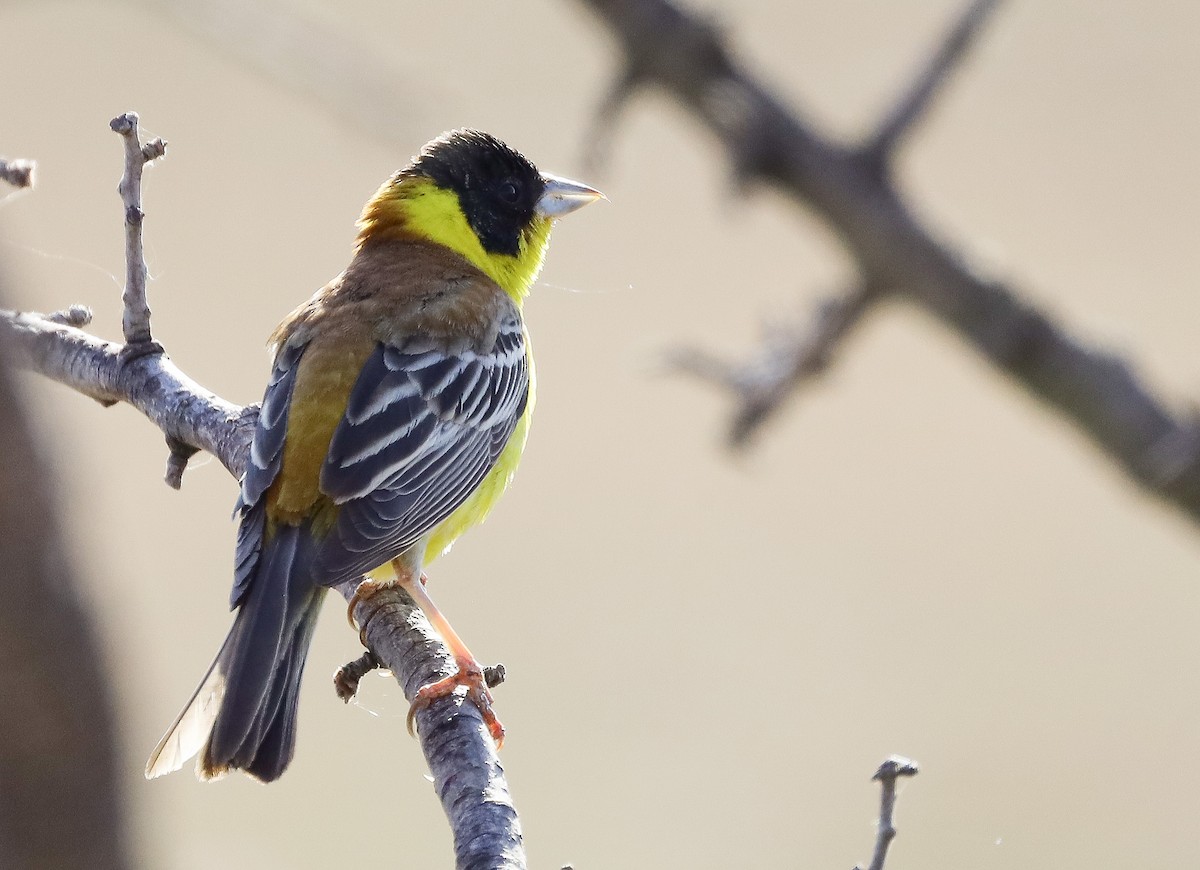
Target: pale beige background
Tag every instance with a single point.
(708, 655)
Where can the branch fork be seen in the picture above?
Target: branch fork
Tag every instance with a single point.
(456, 744)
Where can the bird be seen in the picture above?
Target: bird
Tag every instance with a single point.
(394, 417)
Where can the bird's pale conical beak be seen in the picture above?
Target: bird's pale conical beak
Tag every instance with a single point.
(562, 196)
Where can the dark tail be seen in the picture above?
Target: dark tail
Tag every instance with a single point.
(243, 715)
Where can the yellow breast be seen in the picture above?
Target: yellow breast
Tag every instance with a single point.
(479, 504)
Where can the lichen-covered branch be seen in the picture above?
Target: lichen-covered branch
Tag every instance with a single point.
(460, 752)
(850, 188)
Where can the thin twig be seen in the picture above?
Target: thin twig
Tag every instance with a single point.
(784, 362)
(892, 769)
(349, 675)
(911, 107)
(18, 173)
(135, 323)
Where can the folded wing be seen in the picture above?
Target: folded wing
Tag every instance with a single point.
(423, 427)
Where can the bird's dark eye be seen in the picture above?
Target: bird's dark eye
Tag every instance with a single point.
(509, 191)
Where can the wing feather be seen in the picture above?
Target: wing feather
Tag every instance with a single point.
(266, 456)
(421, 431)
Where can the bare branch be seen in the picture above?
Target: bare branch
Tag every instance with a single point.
(457, 746)
(892, 769)
(787, 359)
(910, 108)
(1099, 392)
(462, 757)
(18, 173)
(135, 323)
(152, 383)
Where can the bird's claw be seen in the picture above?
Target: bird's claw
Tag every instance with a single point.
(471, 677)
(366, 589)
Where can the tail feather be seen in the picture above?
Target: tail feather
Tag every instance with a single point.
(191, 727)
(243, 715)
(278, 742)
(255, 654)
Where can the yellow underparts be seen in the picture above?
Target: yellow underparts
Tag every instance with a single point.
(477, 506)
(419, 206)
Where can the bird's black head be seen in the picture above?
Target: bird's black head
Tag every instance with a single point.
(497, 186)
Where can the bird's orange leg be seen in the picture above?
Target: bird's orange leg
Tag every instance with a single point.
(470, 672)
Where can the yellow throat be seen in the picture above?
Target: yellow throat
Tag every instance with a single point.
(416, 206)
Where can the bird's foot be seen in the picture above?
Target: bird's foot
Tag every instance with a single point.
(471, 677)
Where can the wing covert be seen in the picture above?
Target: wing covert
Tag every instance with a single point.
(422, 429)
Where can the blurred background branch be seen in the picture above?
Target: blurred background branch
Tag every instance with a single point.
(62, 805)
(910, 107)
(850, 188)
(789, 356)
